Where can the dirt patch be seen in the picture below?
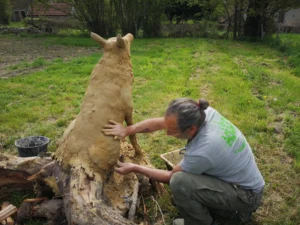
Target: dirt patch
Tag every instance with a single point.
(14, 51)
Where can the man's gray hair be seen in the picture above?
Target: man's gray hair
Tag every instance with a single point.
(188, 111)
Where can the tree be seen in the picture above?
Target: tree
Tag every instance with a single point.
(133, 15)
(98, 16)
(106, 17)
(182, 10)
(5, 11)
(128, 15)
(261, 14)
(152, 11)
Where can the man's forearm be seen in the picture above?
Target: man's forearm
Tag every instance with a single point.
(162, 176)
(146, 126)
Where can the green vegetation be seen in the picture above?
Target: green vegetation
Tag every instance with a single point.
(254, 85)
(16, 24)
(36, 63)
(71, 41)
(289, 44)
(43, 103)
(5, 11)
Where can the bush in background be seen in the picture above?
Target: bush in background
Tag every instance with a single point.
(203, 28)
(5, 11)
(49, 25)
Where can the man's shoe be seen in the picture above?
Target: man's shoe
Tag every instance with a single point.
(181, 222)
(178, 222)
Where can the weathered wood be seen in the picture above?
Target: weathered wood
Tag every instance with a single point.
(132, 210)
(7, 211)
(35, 199)
(52, 210)
(29, 165)
(11, 181)
(8, 220)
(15, 170)
(86, 199)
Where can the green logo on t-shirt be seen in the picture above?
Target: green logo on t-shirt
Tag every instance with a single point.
(230, 134)
(229, 131)
(241, 148)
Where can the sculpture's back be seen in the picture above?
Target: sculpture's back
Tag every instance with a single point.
(109, 96)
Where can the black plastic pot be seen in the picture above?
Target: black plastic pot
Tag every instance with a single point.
(32, 146)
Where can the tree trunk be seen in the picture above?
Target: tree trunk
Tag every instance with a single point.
(257, 18)
(241, 18)
(252, 27)
(235, 25)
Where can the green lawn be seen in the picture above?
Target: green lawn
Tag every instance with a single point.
(254, 85)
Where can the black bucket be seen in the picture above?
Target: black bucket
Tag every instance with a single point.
(32, 146)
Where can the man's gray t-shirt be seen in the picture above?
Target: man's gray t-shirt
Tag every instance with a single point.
(219, 149)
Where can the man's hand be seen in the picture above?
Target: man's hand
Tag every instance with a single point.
(163, 176)
(125, 168)
(115, 129)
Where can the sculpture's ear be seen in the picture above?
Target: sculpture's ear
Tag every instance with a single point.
(98, 39)
(120, 41)
(129, 37)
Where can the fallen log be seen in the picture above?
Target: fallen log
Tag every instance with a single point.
(14, 172)
(52, 210)
(92, 203)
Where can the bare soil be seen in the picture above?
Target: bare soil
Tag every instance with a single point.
(14, 51)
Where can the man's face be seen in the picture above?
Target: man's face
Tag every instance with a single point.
(173, 129)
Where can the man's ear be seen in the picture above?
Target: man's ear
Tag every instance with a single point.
(192, 130)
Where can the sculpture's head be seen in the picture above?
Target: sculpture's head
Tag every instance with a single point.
(117, 44)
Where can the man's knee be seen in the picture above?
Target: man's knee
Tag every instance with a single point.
(176, 181)
(183, 182)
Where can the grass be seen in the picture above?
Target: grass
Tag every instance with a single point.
(71, 41)
(36, 63)
(254, 85)
(43, 103)
(16, 24)
(290, 46)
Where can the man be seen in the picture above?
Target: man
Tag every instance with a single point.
(218, 174)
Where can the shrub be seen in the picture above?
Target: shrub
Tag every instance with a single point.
(50, 25)
(202, 29)
(5, 11)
